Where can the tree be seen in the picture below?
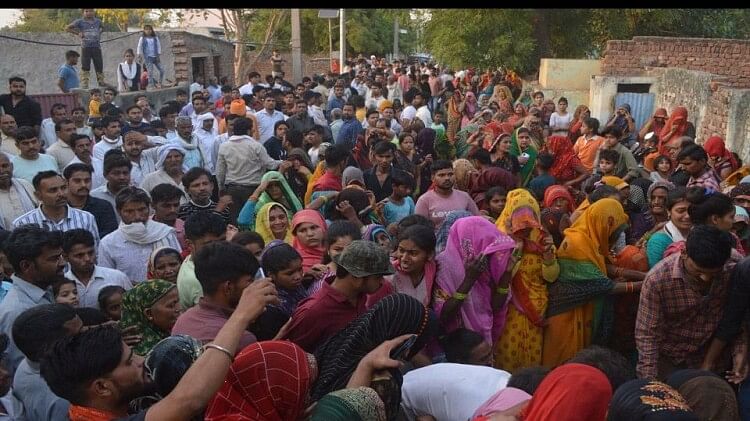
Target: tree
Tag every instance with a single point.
(55, 20)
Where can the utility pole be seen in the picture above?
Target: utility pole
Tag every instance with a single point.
(342, 40)
(296, 48)
(395, 38)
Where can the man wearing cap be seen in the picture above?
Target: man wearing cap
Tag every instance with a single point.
(343, 297)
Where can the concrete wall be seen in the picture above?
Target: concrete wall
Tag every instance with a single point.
(689, 89)
(603, 90)
(568, 74)
(156, 98)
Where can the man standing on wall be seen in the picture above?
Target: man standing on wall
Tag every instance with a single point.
(89, 28)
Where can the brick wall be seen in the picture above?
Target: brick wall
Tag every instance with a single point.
(185, 46)
(723, 57)
(311, 64)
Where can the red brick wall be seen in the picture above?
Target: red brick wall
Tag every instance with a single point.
(730, 58)
(311, 64)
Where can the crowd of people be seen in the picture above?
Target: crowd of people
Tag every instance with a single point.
(394, 242)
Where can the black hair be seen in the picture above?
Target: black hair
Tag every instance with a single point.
(562, 99)
(106, 121)
(694, 152)
(602, 192)
(278, 258)
(25, 133)
(482, 155)
(609, 155)
(115, 159)
(335, 155)
(221, 261)
(163, 192)
(27, 242)
(523, 130)
(127, 110)
(242, 125)
(661, 158)
(59, 124)
(91, 316)
(545, 161)
(180, 91)
(76, 236)
(43, 175)
(708, 246)
(356, 197)
(74, 109)
(613, 131)
(57, 106)
(342, 228)
(166, 110)
(38, 327)
(244, 238)
(415, 219)
(495, 191)
(592, 124)
(422, 236)
(381, 148)
(675, 196)
(202, 223)
(279, 123)
(75, 361)
(58, 284)
(226, 89)
(459, 343)
(610, 362)
(75, 137)
(402, 178)
(197, 97)
(131, 194)
(106, 293)
(193, 174)
(357, 100)
(294, 137)
(371, 111)
(528, 379)
(704, 204)
(440, 164)
(16, 79)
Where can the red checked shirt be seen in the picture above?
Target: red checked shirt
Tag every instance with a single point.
(675, 320)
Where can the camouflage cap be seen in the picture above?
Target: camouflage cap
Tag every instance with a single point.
(365, 258)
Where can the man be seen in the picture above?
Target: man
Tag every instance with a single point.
(199, 187)
(350, 128)
(8, 129)
(313, 100)
(117, 173)
(107, 383)
(423, 112)
(681, 303)
(336, 157)
(195, 154)
(29, 161)
(378, 179)
(168, 114)
(253, 79)
(108, 95)
(268, 117)
(36, 257)
(78, 115)
(410, 110)
(90, 278)
(67, 74)
(201, 229)
(148, 115)
(111, 138)
(342, 297)
(389, 115)
(200, 107)
(206, 136)
(53, 212)
(16, 195)
(61, 150)
(143, 160)
(241, 163)
(83, 146)
(89, 28)
(78, 176)
(694, 161)
(24, 110)
(224, 270)
(170, 169)
(47, 134)
(587, 146)
(338, 100)
(314, 138)
(188, 109)
(129, 247)
(135, 121)
(34, 331)
(300, 121)
(376, 96)
(626, 167)
(166, 199)
(213, 88)
(435, 204)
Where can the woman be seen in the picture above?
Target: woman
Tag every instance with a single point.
(676, 229)
(407, 158)
(453, 119)
(415, 263)
(519, 113)
(151, 308)
(273, 188)
(164, 263)
(468, 108)
(472, 284)
(558, 206)
(548, 108)
(567, 168)
(128, 73)
(378, 235)
(720, 158)
(657, 199)
(641, 400)
(478, 182)
(676, 127)
(501, 156)
(149, 50)
(392, 316)
(571, 392)
(309, 231)
(709, 396)
(577, 314)
(581, 113)
(272, 223)
(274, 144)
(357, 404)
(623, 120)
(525, 152)
(561, 119)
(521, 343)
(502, 96)
(268, 380)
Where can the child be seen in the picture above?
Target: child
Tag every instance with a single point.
(543, 179)
(110, 301)
(94, 103)
(495, 197)
(608, 159)
(399, 204)
(65, 292)
(149, 49)
(662, 169)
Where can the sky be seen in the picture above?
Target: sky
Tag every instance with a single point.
(8, 16)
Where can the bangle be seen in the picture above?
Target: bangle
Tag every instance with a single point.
(459, 296)
(219, 348)
(629, 287)
(325, 199)
(501, 290)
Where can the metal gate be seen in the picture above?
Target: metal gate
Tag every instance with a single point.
(641, 106)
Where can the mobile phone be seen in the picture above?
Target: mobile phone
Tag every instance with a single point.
(400, 351)
(261, 273)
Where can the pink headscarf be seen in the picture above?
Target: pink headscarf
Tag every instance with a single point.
(468, 238)
(310, 255)
(502, 400)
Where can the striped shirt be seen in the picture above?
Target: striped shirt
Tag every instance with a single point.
(75, 218)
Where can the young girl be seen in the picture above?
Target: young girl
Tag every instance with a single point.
(128, 73)
(65, 292)
(495, 197)
(662, 169)
(149, 52)
(415, 264)
(110, 301)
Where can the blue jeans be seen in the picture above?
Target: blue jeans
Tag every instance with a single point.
(150, 63)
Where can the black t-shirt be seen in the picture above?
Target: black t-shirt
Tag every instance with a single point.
(27, 112)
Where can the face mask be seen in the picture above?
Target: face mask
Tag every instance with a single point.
(135, 232)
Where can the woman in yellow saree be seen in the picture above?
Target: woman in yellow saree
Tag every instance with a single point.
(521, 342)
(577, 311)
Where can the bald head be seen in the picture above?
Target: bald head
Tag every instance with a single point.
(8, 125)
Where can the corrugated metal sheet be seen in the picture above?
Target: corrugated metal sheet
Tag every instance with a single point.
(641, 106)
(47, 100)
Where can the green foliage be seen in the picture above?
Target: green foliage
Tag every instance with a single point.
(55, 20)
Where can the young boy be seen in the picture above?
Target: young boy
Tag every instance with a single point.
(94, 103)
(543, 179)
(399, 204)
(608, 159)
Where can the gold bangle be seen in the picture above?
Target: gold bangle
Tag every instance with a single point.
(459, 296)
(501, 290)
(219, 348)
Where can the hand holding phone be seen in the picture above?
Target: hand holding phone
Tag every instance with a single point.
(400, 352)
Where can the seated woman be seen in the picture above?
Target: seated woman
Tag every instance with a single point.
(720, 158)
(415, 263)
(567, 168)
(309, 231)
(272, 223)
(151, 308)
(164, 264)
(500, 154)
(676, 229)
(273, 188)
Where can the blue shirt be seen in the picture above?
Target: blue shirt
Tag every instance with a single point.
(69, 75)
(348, 133)
(393, 212)
(91, 30)
(336, 103)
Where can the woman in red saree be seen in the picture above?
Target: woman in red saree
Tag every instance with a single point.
(581, 113)
(567, 168)
(674, 128)
(720, 158)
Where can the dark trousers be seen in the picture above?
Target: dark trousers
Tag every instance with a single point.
(239, 194)
(92, 53)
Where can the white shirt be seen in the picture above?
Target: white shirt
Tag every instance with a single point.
(11, 205)
(197, 124)
(47, 134)
(266, 122)
(316, 113)
(106, 144)
(206, 141)
(88, 295)
(247, 89)
(62, 152)
(424, 114)
(409, 113)
(130, 258)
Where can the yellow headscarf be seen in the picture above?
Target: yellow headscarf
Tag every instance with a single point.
(615, 182)
(319, 171)
(588, 238)
(509, 223)
(263, 227)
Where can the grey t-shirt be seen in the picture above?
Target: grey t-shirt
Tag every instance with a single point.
(91, 30)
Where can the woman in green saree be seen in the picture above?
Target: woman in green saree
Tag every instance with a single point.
(522, 148)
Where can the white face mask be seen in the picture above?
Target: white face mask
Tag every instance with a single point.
(135, 231)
